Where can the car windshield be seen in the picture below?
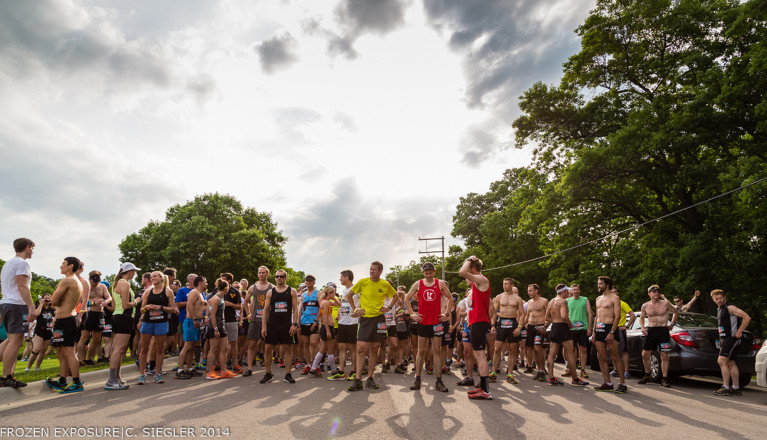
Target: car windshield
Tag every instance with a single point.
(697, 321)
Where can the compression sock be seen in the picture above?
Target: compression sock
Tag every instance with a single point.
(331, 363)
(152, 365)
(483, 384)
(317, 360)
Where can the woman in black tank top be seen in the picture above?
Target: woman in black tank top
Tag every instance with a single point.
(43, 332)
(156, 303)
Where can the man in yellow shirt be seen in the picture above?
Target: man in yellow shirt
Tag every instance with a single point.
(622, 346)
(372, 323)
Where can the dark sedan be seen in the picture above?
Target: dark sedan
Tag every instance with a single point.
(694, 349)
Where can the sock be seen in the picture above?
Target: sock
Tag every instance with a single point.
(609, 384)
(418, 378)
(483, 384)
(317, 360)
(152, 365)
(76, 380)
(726, 387)
(62, 380)
(197, 354)
(331, 362)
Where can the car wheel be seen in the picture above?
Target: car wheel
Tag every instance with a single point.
(744, 380)
(655, 367)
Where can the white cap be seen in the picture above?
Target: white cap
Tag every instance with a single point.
(128, 266)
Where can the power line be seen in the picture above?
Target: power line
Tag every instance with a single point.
(596, 240)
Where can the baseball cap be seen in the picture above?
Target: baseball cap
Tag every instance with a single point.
(128, 266)
(427, 266)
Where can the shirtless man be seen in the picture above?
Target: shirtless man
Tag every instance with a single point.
(657, 333)
(193, 323)
(506, 327)
(535, 322)
(431, 322)
(98, 297)
(254, 311)
(279, 324)
(559, 317)
(65, 298)
(608, 316)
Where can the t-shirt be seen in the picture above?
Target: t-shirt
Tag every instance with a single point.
(344, 313)
(372, 294)
(182, 296)
(233, 296)
(625, 308)
(13, 267)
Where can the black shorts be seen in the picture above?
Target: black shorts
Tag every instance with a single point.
(347, 333)
(324, 334)
(278, 333)
(413, 329)
(560, 332)
(64, 331)
(453, 338)
(729, 347)
(122, 325)
(172, 324)
(478, 332)
(391, 331)
(403, 336)
(94, 322)
(372, 329)
(535, 337)
(447, 337)
(210, 334)
(580, 337)
(432, 330)
(108, 331)
(306, 330)
(657, 338)
(43, 333)
(242, 330)
(504, 330)
(601, 330)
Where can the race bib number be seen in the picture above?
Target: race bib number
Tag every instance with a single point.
(538, 340)
(381, 327)
(577, 325)
(389, 316)
(600, 327)
(722, 334)
(102, 322)
(507, 323)
(439, 330)
(49, 325)
(665, 346)
(58, 336)
(523, 333)
(281, 307)
(155, 315)
(107, 327)
(259, 313)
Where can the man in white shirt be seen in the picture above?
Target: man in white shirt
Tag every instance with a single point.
(15, 307)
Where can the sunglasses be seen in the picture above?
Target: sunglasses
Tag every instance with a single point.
(280, 276)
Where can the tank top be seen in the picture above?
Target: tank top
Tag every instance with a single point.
(345, 312)
(311, 306)
(389, 316)
(728, 324)
(578, 313)
(480, 304)
(161, 299)
(280, 306)
(258, 297)
(429, 303)
(219, 313)
(117, 301)
(45, 319)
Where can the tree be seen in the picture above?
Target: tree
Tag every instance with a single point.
(40, 286)
(211, 234)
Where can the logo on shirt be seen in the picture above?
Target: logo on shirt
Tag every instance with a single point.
(429, 295)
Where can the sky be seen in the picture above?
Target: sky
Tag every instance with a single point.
(358, 124)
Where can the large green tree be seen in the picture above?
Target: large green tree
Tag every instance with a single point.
(211, 234)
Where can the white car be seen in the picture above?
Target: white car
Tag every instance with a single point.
(761, 367)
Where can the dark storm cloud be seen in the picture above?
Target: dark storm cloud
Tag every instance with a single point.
(276, 52)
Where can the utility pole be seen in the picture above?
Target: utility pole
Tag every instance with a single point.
(427, 251)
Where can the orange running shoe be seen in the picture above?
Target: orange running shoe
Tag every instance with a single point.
(237, 369)
(212, 376)
(226, 374)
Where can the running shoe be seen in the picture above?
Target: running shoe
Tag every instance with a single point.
(439, 386)
(604, 387)
(622, 389)
(12, 382)
(416, 384)
(467, 382)
(212, 376)
(528, 370)
(510, 379)
(351, 376)
(199, 366)
(315, 373)
(237, 369)
(542, 377)
(446, 370)
(227, 374)
(722, 391)
(306, 371)
(370, 383)
(289, 379)
(158, 379)
(385, 368)
(493, 377)
(567, 373)
(578, 382)
(150, 372)
(54, 384)
(282, 363)
(26, 370)
(268, 377)
(430, 370)
(338, 376)
(182, 375)
(554, 381)
(399, 370)
(115, 385)
(735, 392)
(72, 388)
(664, 383)
(481, 395)
(174, 368)
(614, 373)
(645, 379)
(247, 373)
(356, 385)
(141, 380)
(584, 375)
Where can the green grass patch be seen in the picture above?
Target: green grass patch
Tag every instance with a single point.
(50, 368)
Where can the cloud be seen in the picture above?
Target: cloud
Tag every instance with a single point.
(277, 52)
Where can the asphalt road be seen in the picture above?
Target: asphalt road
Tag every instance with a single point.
(315, 408)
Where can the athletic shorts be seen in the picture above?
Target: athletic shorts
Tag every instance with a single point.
(432, 330)
(254, 330)
(154, 328)
(172, 324)
(278, 333)
(622, 339)
(324, 334)
(122, 325)
(14, 316)
(413, 329)
(403, 335)
(478, 331)
(391, 331)
(453, 339)
(243, 329)
(580, 337)
(306, 330)
(94, 322)
(729, 347)
(43, 333)
(466, 334)
(372, 329)
(347, 333)
(231, 331)
(534, 337)
(601, 330)
(560, 332)
(504, 330)
(191, 334)
(657, 338)
(210, 334)
(64, 331)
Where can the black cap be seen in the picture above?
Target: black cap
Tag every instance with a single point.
(427, 266)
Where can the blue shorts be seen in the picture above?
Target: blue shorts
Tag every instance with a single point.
(191, 334)
(154, 328)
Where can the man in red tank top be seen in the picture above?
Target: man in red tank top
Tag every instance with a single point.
(430, 318)
(479, 322)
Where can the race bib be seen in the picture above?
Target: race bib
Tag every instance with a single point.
(259, 313)
(381, 326)
(523, 333)
(665, 346)
(281, 307)
(600, 327)
(722, 334)
(49, 325)
(155, 315)
(107, 327)
(507, 323)
(58, 336)
(389, 315)
(439, 330)
(577, 325)
(102, 322)
(538, 340)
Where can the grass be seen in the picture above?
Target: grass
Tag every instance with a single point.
(50, 368)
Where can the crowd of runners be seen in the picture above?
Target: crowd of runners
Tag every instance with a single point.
(337, 331)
